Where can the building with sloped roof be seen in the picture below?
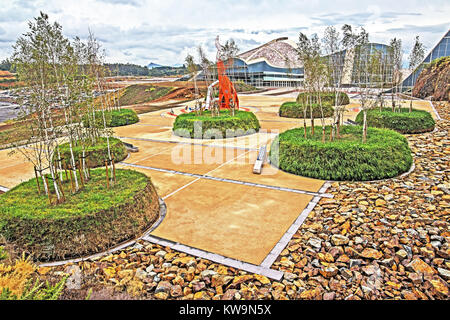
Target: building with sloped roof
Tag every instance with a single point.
(441, 49)
(274, 64)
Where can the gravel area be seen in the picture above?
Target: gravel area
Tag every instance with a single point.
(377, 240)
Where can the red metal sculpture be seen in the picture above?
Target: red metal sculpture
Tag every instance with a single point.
(228, 98)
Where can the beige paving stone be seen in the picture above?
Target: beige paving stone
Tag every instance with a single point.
(236, 221)
(241, 169)
(165, 183)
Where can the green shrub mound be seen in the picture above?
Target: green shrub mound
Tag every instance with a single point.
(386, 154)
(417, 121)
(296, 110)
(96, 154)
(206, 127)
(114, 118)
(328, 98)
(90, 221)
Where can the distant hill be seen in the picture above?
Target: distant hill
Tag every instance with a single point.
(152, 65)
(128, 69)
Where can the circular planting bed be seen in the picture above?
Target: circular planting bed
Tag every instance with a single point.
(296, 110)
(417, 121)
(386, 154)
(223, 126)
(114, 118)
(90, 221)
(328, 98)
(96, 154)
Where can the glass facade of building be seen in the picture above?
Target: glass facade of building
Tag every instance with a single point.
(260, 74)
(442, 49)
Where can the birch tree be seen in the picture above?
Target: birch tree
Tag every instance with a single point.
(415, 59)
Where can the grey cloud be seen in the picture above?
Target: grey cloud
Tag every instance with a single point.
(435, 28)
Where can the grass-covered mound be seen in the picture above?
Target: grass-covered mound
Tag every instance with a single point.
(386, 154)
(96, 154)
(90, 221)
(417, 121)
(328, 98)
(142, 93)
(114, 118)
(296, 110)
(222, 126)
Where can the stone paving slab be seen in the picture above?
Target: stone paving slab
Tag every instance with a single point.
(241, 169)
(237, 221)
(165, 183)
(14, 169)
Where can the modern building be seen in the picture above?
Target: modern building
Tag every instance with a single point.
(351, 70)
(442, 49)
(274, 64)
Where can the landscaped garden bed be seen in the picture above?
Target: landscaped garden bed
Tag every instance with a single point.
(114, 118)
(296, 109)
(92, 220)
(417, 121)
(327, 98)
(96, 154)
(222, 126)
(386, 154)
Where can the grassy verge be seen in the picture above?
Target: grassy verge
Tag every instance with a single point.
(142, 93)
(223, 126)
(328, 98)
(93, 219)
(96, 154)
(296, 110)
(114, 118)
(417, 121)
(386, 154)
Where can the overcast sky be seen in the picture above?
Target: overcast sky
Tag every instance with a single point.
(164, 31)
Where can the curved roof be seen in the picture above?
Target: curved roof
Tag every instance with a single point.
(280, 53)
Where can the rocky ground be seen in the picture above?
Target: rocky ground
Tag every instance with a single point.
(377, 240)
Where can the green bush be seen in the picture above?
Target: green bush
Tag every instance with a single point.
(222, 126)
(296, 110)
(328, 98)
(96, 154)
(386, 154)
(417, 121)
(114, 118)
(89, 221)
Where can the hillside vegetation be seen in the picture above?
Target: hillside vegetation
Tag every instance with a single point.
(434, 80)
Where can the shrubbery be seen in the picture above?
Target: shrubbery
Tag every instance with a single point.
(328, 98)
(90, 221)
(222, 126)
(386, 154)
(114, 118)
(296, 110)
(417, 121)
(96, 154)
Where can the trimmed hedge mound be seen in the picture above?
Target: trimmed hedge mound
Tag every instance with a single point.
(90, 221)
(114, 118)
(223, 126)
(96, 154)
(386, 154)
(328, 98)
(417, 121)
(296, 110)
